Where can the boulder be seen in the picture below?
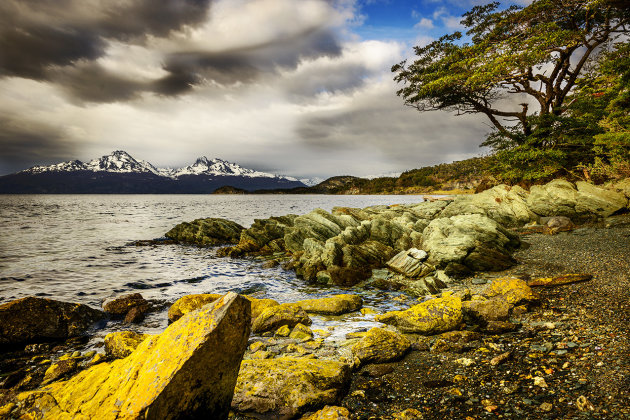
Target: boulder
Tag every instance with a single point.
(482, 311)
(333, 305)
(121, 344)
(582, 201)
(264, 236)
(319, 225)
(33, 319)
(285, 387)
(430, 317)
(274, 317)
(380, 346)
(166, 377)
(512, 290)
(557, 224)
(473, 241)
(206, 232)
(329, 413)
(190, 303)
(301, 333)
(132, 307)
(503, 204)
(598, 201)
(410, 263)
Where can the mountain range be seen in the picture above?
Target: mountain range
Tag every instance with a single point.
(120, 173)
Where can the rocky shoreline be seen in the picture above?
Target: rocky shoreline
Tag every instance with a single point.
(494, 320)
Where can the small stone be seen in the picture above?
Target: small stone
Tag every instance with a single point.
(329, 413)
(256, 345)
(540, 381)
(584, 404)
(479, 281)
(546, 407)
(408, 414)
(283, 331)
(368, 311)
(550, 325)
(465, 361)
(495, 361)
(301, 333)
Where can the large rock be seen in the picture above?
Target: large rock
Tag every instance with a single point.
(587, 201)
(206, 232)
(380, 346)
(430, 317)
(121, 344)
(132, 307)
(274, 317)
(333, 305)
(285, 387)
(264, 236)
(503, 204)
(319, 225)
(410, 263)
(598, 201)
(483, 311)
(33, 319)
(473, 241)
(191, 303)
(188, 371)
(512, 290)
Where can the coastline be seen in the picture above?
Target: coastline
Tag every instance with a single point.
(498, 355)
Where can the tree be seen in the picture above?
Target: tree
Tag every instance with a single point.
(518, 69)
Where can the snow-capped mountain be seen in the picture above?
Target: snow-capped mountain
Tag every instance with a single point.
(205, 166)
(122, 162)
(119, 172)
(309, 182)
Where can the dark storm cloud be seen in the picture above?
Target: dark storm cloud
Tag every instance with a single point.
(59, 41)
(24, 142)
(247, 63)
(45, 39)
(89, 82)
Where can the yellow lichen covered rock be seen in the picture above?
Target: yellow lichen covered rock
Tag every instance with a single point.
(275, 317)
(189, 303)
(60, 369)
(380, 346)
(510, 289)
(187, 371)
(301, 332)
(333, 305)
(121, 344)
(329, 413)
(285, 387)
(430, 317)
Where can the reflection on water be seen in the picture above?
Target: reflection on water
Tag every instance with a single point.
(72, 247)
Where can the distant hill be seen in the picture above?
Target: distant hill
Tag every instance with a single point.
(119, 173)
(464, 175)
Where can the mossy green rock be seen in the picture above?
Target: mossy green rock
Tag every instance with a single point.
(285, 387)
(379, 346)
(430, 317)
(190, 303)
(121, 344)
(188, 371)
(333, 305)
(206, 232)
(275, 317)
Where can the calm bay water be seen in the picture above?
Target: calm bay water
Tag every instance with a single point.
(74, 247)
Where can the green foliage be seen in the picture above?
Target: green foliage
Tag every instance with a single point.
(534, 55)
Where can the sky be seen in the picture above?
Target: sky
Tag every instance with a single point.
(295, 87)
